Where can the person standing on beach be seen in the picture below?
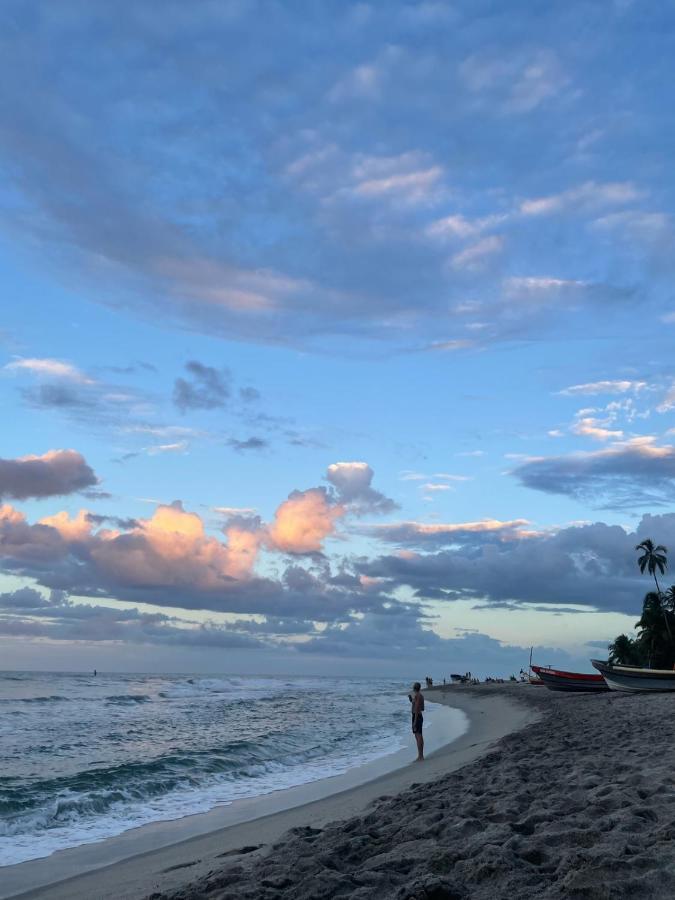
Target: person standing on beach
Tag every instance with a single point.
(417, 700)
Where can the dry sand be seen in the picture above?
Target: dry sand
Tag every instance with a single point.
(579, 803)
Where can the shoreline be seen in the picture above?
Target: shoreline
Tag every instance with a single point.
(168, 855)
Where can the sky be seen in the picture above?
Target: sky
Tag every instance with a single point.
(335, 337)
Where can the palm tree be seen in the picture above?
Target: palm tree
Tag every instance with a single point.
(669, 598)
(653, 558)
(651, 635)
(625, 651)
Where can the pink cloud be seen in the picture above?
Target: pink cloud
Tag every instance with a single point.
(302, 522)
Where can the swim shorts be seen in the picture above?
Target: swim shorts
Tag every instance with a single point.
(417, 723)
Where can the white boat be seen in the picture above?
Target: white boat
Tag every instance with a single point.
(634, 678)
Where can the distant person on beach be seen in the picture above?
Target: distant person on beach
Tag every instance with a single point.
(417, 700)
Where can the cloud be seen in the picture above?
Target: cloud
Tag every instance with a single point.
(249, 394)
(603, 387)
(208, 388)
(587, 426)
(176, 447)
(592, 565)
(457, 226)
(540, 288)
(23, 598)
(668, 401)
(319, 235)
(420, 534)
(518, 84)
(304, 521)
(450, 346)
(87, 402)
(588, 195)
(650, 228)
(409, 186)
(252, 443)
(476, 254)
(393, 632)
(402, 636)
(352, 481)
(632, 473)
(171, 559)
(60, 396)
(123, 523)
(28, 613)
(52, 368)
(55, 473)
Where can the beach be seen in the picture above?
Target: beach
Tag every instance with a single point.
(170, 854)
(545, 795)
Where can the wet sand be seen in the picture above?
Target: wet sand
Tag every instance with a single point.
(170, 857)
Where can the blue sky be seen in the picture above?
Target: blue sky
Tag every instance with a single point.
(346, 326)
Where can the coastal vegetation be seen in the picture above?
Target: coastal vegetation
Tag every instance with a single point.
(654, 645)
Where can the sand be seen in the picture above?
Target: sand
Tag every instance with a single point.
(578, 802)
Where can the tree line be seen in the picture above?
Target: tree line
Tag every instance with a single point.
(654, 645)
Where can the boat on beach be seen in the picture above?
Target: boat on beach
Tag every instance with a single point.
(633, 678)
(576, 682)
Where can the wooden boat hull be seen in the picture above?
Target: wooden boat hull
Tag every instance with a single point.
(571, 682)
(629, 678)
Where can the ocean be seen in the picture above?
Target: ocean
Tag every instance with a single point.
(83, 758)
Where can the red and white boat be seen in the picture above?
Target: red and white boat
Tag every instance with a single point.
(576, 682)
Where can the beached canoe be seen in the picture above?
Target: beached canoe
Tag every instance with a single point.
(632, 678)
(577, 682)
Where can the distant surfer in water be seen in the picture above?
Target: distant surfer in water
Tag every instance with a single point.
(417, 700)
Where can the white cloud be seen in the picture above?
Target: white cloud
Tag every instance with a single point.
(166, 431)
(668, 401)
(590, 427)
(51, 368)
(518, 85)
(648, 226)
(459, 344)
(591, 194)
(177, 447)
(408, 186)
(540, 284)
(422, 532)
(474, 255)
(603, 387)
(458, 226)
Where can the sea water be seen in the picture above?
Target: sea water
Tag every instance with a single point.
(83, 758)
